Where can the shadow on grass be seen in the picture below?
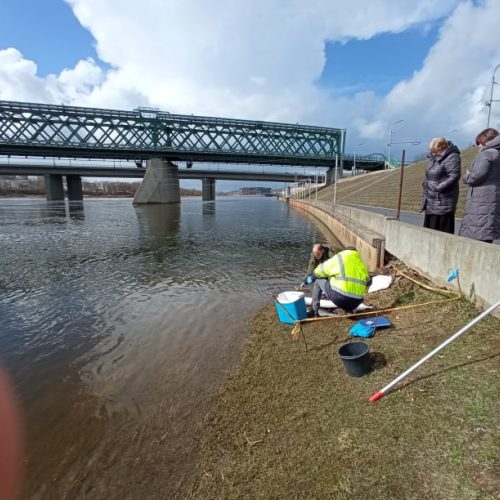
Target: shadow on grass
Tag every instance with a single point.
(377, 361)
(450, 368)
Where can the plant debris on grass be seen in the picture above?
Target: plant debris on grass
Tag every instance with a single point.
(293, 424)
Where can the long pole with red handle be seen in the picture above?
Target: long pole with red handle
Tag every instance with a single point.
(379, 394)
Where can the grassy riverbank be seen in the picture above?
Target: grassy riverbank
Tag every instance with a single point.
(381, 189)
(293, 424)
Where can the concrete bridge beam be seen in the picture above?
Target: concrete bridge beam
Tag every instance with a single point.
(160, 183)
(54, 187)
(74, 184)
(208, 189)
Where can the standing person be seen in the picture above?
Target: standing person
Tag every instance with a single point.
(482, 209)
(441, 186)
(344, 279)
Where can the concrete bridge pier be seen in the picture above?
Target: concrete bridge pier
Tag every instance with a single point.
(208, 189)
(54, 187)
(74, 184)
(160, 183)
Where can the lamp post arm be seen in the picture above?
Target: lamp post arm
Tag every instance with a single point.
(491, 95)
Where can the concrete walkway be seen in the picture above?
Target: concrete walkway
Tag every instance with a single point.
(413, 218)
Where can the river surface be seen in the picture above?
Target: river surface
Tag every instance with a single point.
(118, 324)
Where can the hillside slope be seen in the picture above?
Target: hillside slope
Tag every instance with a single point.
(380, 189)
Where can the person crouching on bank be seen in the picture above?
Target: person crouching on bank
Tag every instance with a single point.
(344, 279)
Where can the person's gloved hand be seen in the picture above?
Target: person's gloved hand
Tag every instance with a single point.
(310, 279)
(303, 284)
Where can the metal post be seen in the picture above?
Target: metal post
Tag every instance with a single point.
(491, 94)
(402, 167)
(316, 172)
(389, 154)
(335, 181)
(390, 140)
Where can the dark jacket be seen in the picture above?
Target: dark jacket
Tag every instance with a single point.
(482, 210)
(441, 182)
(329, 252)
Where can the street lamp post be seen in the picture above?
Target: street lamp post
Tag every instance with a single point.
(390, 140)
(488, 103)
(336, 175)
(316, 182)
(355, 147)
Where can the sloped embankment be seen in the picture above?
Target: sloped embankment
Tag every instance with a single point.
(380, 189)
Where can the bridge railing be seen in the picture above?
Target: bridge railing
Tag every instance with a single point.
(372, 157)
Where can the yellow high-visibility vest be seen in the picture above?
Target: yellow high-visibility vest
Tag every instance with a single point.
(347, 272)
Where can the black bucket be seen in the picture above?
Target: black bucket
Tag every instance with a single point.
(356, 358)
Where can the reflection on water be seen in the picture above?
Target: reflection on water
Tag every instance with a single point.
(53, 212)
(76, 210)
(209, 208)
(159, 220)
(118, 323)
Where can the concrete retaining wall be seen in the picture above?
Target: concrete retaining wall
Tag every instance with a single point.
(370, 245)
(432, 253)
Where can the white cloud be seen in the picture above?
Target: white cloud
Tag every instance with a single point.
(19, 80)
(261, 60)
(449, 91)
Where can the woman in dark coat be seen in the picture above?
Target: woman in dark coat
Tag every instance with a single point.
(441, 186)
(482, 210)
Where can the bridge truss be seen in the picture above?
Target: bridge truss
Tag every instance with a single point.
(68, 131)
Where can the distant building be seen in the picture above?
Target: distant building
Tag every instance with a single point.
(254, 191)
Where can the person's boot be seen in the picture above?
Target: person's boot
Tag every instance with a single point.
(312, 314)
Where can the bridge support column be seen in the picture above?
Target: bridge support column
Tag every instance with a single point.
(74, 184)
(54, 187)
(160, 183)
(208, 189)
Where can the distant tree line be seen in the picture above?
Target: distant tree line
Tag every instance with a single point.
(22, 185)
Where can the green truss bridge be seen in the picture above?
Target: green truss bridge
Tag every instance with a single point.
(160, 138)
(50, 130)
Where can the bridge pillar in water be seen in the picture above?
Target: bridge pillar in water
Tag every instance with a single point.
(160, 183)
(208, 189)
(74, 184)
(54, 187)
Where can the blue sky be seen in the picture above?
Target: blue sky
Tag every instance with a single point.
(47, 32)
(376, 64)
(359, 65)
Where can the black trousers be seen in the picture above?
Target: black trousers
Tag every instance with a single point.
(445, 223)
(323, 286)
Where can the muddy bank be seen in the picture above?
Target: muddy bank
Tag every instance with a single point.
(293, 424)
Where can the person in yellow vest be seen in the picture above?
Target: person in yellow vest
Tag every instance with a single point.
(344, 279)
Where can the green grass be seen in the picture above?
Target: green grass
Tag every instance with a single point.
(381, 189)
(292, 424)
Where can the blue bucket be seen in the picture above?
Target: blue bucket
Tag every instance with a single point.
(294, 304)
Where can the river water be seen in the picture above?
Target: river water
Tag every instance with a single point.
(118, 324)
